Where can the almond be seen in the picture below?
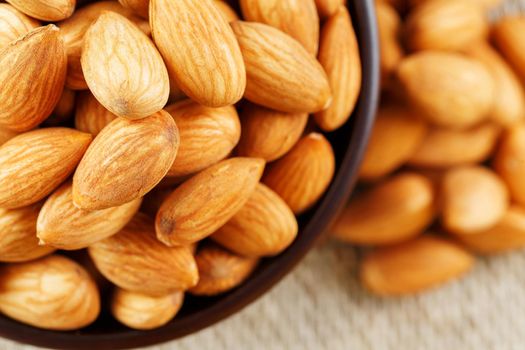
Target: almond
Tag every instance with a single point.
(303, 175)
(228, 13)
(135, 260)
(140, 7)
(281, 74)
(508, 36)
(6, 135)
(64, 108)
(46, 10)
(64, 226)
(39, 54)
(267, 133)
(327, 8)
(90, 115)
(299, 19)
(14, 24)
(51, 293)
(395, 210)
(34, 163)
(186, 32)
(265, 226)
(144, 312)
(207, 135)
(18, 240)
(339, 56)
(389, 25)
(125, 161)
(414, 266)
(205, 202)
(474, 199)
(449, 89)
(220, 270)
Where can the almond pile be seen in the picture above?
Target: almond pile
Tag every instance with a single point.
(443, 177)
(167, 142)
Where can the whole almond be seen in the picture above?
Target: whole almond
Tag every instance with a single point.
(339, 56)
(51, 293)
(135, 260)
(281, 74)
(90, 115)
(144, 312)
(62, 225)
(299, 19)
(393, 211)
(186, 32)
(35, 66)
(450, 90)
(413, 266)
(140, 7)
(220, 270)
(6, 135)
(227, 11)
(125, 161)
(14, 24)
(34, 163)
(508, 36)
(264, 226)
(327, 8)
(46, 10)
(267, 133)
(207, 135)
(474, 199)
(389, 25)
(18, 241)
(302, 175)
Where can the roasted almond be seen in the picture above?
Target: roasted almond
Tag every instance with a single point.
(34, 163)
(281, 74)
(229, 13)
(508, 36)
(14, 24)
(90, 115)
(326, 8)
(46, 10)
(140, 7)
(125, 161)
(389, 25)
(205, 202)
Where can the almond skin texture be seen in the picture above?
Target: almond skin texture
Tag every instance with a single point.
(265, 226)
(125, 161)
(35, 66)
(189, 32)
(413, 266)
(51, 293)
(474, 199)
(281, 74)
(267, 133)
(18, 240)
(90, 115)
(207, 135)
(508, 36)
(46, 10)
(220, 270)
(303, 175)
(449, 89)
(339, 56)
(123, 69)
(228, 13)
(135, 260)
(64, 226)
(140, 7)
(205, 202)
(34, 163)
(14, 24)
(299, 19)
(389, 25)
(327, 8)
(393, 211)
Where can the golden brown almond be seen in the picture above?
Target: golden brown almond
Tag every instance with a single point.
(303, 175)
(14, 24)
(135, 260)
(339, 56)
(207, 135)
(62, 225)
(144, 312)
(90, 115)
(267, 133)
(281, 74)
(396, 135)
(46, 10)
(205, 202)
(125, 161)
(444, 148)
(393, 211)
(34, 163)
(220, 270)
(35, 66)
(140, 7)
(186, 32)
(508, 36)
(389, 25)
(141, 86)
(414, 266)
(450, 90)
(6, 135)
(473, 199)
(327, 8)
(64, 108)
(18, 241)
(265, 226)
(51, 293)
(299, 19)
(227, 11)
